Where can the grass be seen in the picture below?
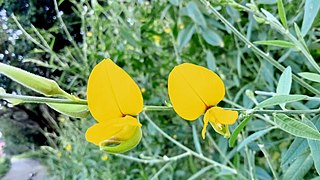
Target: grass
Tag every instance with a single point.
(147, 39)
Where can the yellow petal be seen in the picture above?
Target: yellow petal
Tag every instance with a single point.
(116, 129)
(112, 93)
(192, 89)
(204, 128)
(222, 116)
(219, 120)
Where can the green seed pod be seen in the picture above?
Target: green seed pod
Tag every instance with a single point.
(37, 83)
(114, 146)
(72, 110)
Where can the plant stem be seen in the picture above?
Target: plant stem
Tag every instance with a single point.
(186, 148)
(33, 99)
(255, 48)
(154, 161)
(157, 108)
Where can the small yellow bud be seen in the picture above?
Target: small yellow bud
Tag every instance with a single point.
(143, 90)
(167, 30)
(68, 147)
(104, 157)
(181, 26)
(156, 38)
(89, 33)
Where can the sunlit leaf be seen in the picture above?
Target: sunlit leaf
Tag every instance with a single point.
(278, 99)
(278, 43)
(311, 9)
(296, 128)
(310, 76)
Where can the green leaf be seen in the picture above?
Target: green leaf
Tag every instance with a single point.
(278, 99)
(212, 37)
(284, 84)
(72, 110)
(184, 36)
(300, 37)
(278, 43)
(174, 2)
(282, 14)
(298, 147)
(285, 80)
(235, 133)
(299, 167)
(296, 128)
(314, 146)
(311, 9)
(195, 14)
(253, 137)
(310, 76)
(211, 61)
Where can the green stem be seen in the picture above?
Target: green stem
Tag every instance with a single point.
(154, 161)
(186, 148)
(251, 111)
(33, 99)
(255, 48)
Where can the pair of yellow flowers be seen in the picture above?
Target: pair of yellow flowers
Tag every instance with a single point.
(115, 101)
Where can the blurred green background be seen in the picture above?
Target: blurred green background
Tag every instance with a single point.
(147, 39)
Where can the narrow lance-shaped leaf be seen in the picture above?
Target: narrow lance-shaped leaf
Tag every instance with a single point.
(278, 99)
(311, 9)
(298, 147)
(282, 14)
(299, 168)
(195, 14)
(314, 146)
(235, 133)
(278, 43)
(184, 36)
(37, 83)
(310, 76)
(284, 84)
(296, 128)
(253, 137)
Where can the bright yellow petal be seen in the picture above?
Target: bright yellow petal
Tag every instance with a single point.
(192, 89)
(222, 116)
(112, 93)
(116, 129)
(205, 124)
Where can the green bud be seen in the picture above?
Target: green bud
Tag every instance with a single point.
(37, 83)
(114, 146)
(72, 110)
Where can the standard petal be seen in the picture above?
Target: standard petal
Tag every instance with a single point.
(116, 129)
(206, 84)
(222, 116)
(112, 93)
(184, 99)
(192, 89)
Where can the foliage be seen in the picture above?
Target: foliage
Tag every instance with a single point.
(4, 165)
(147, 39)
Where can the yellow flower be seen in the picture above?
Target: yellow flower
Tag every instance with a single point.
(167, 30)
(181, 26)
(68, 147)
(104, 157)
(115, 101)
(89, 33)
(143, 90)
(195, 90)
(156, 38)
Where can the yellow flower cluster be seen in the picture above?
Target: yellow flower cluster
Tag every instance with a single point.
(115, 101)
